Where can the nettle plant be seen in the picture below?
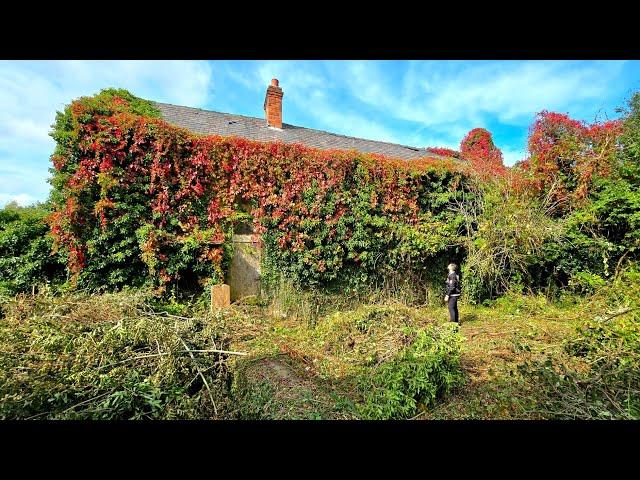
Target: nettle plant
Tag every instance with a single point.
(137, 200)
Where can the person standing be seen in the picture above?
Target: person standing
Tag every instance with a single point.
(453, 292)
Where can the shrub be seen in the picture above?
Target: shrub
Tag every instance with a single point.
(26, 260)
(591, 174)
(586, 282)
(602, 378)
(505, 234)
(478, 149)
(423, 371)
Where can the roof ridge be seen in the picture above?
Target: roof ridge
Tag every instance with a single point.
(208, 111)
(417, 149)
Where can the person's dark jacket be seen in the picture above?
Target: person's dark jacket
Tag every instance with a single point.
(453, 284)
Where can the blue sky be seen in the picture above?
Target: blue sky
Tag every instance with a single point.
(418, 103)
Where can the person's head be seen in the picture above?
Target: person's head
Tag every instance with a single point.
(452, 267)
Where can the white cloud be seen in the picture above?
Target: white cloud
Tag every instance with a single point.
(312, 91)
(18, 177)
(444, 99)
(300, 76)
(511, 156)
(438, 93)
(22, 199)
(183, 82)
(447, 99)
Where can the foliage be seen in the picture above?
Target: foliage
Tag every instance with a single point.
(478, 149)
(596, 185)
(603, 381)
(136, 199)
(570, 154)
(445, 152)
(346, 355)
(423, 371)
(26, 261)
(505, 233)
(139, 201)
(586, 283)
(276, 388)
(351, 240)
(107, 357)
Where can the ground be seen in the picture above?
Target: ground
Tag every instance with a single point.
(303, 369)
(126, 355)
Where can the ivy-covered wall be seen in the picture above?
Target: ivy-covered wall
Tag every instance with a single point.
(137, 200)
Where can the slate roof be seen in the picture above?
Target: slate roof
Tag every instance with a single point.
(227, 124)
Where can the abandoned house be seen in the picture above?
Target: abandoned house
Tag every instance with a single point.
(244, 272)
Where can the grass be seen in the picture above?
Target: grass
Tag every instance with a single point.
(331, 357)
(333, 351)
(497, 340)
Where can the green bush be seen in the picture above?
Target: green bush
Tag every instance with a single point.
(586, 282)
(505, 234)
(601, 378)
(369, 249)
(423, 371)
(26, 259)
(604, 230)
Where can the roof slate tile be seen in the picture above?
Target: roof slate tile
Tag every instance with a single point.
(226, 124)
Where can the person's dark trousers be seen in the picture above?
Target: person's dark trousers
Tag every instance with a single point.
(453, 309)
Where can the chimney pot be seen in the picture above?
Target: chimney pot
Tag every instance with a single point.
(274, 82)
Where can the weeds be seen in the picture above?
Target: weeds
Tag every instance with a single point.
(129, 355)
(597, 375)
(346, 358)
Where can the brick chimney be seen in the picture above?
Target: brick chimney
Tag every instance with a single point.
(273, 104)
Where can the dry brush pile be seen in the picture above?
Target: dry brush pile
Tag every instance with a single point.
(108, 357)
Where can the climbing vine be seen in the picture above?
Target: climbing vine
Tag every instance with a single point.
(566, 155)
(478, 149)
(137, 200)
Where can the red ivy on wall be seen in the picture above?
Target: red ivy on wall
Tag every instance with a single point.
(478, 149)
(191, 185)
(445, 152)
(186, 189)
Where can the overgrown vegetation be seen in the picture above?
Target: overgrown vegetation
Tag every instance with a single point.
(379, 361)
(26, 259)
(418, 375)
(606, 381)
(103, 314)
(137, 201)
(106, 357)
